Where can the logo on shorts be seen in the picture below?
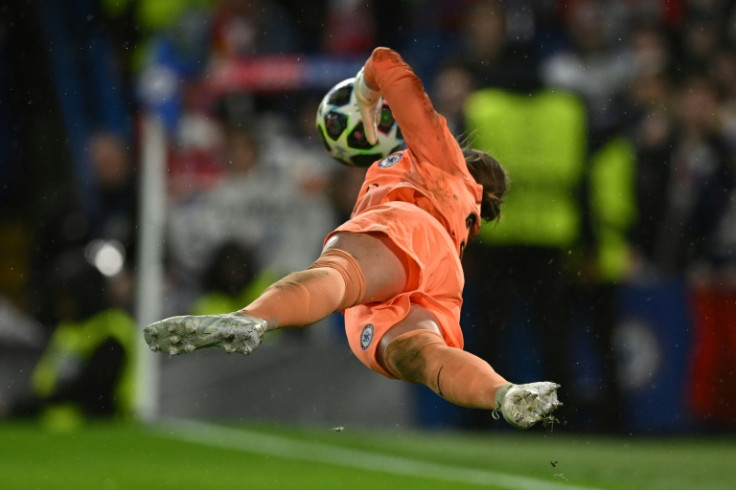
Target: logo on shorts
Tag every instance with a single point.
(390, 160)
(366, 336)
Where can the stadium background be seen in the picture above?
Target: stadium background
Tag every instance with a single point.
(91, 90)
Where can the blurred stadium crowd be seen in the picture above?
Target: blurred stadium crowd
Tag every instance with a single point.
(612, 271)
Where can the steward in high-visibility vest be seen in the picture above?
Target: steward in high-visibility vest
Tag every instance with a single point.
(87, 370)
(612, 208)
(518, 269)
(605, 255)
(541, 140)
(87, 367)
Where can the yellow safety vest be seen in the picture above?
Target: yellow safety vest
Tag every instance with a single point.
(79, 340)
(613, 207)
(540, 139)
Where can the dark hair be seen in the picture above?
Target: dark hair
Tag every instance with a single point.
(491, 175)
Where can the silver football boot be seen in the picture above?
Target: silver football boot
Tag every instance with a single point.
(232, 332)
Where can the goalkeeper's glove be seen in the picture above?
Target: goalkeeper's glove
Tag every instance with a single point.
(368, 104)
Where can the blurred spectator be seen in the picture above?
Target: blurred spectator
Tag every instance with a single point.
(292, 140)
(112, 161)
(114, 213)
(112, 219)
(596, 64)
(495, 56)
(256, 204)
(86, 369)
(685, 180)
(451, 87)
(349, 27)
(650, 48)
(90, 92)
(651, 128)
(248, 27)
(194, 163)
(700, 39)
(604, 255)
(697, 181)
(723, 73)
(231, 281)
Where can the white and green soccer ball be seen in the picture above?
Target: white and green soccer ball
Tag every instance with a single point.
(341, 128)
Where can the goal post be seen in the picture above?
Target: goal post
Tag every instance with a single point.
(150, 267)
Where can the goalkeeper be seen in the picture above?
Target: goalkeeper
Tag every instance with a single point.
(394, 267)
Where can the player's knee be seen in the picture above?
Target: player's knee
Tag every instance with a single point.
(347, 266)
(405, 356)
(404, 360)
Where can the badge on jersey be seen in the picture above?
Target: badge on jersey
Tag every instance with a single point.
(391, 160)
(366, 336)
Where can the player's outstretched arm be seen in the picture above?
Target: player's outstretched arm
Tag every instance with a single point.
(386, 74)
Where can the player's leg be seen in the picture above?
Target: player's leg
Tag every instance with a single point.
(414, 350)
(353, 268)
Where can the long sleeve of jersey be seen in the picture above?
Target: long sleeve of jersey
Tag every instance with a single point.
(425, 131)
(431, 173)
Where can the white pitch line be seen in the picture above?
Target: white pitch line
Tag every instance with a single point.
(266, 444)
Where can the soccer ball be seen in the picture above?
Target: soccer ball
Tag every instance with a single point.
(341, 128)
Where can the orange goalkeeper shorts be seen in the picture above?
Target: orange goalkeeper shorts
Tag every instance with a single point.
(435, 278)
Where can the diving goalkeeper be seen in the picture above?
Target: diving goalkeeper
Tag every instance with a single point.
(394, 268)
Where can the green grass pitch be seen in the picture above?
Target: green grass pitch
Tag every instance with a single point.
(180, 455)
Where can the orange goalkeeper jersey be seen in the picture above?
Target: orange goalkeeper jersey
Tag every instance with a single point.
(431, 173)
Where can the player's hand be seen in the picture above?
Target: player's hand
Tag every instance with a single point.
(368, 104)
